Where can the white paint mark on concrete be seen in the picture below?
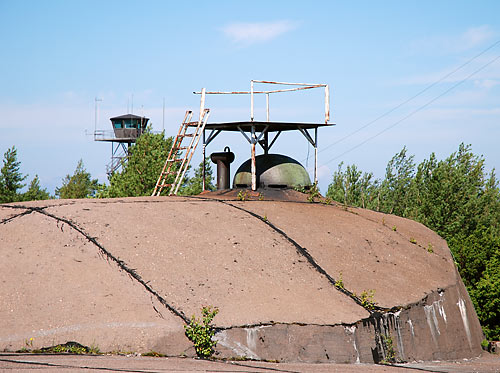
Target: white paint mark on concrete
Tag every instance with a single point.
(252, 338)
(441, 310)
(463, 313)
(352, 330)
(411, 328)
(398, 332)
(236, 347)
(431, 321)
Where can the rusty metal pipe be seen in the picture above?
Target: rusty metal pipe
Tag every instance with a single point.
(223, 161)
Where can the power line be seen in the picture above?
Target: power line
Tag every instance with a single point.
(412, 97)
(416, 110)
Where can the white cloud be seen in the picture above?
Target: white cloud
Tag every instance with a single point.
(475, 36)
(471, 38)
(247, 33)
(487, 83)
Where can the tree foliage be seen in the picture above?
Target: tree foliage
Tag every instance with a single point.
(194, 185)
(352, 187)
(78, 185)
(142, 168)
(144, 163)
(455, 198)
(35, 191)
(10, 177)
(11, 181)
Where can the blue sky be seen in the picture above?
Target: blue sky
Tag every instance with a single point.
(57, 56)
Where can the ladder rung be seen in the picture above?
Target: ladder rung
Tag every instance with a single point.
(200, 126)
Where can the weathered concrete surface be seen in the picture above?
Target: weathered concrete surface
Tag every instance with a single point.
(55, 287)
(131, 363)
(126, 274)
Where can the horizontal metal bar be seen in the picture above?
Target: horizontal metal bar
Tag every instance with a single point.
(258, 92)
(287, 83)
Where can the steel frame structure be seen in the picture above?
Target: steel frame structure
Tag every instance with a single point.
(259, 131)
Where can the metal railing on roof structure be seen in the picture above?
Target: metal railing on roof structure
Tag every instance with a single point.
(252, 92)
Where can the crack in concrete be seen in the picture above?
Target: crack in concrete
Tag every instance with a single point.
(5, 221)
(121, 264)
(303, 251)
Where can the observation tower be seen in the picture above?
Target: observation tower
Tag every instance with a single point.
(126, 130)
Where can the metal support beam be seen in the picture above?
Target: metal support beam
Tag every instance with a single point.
(316, 156)
(274, 140)
(254, 168)
(213, 135)
(204, 157)
(308, 136)
(267, 106)
(245, 135)
(327, 103)
(251, 101)
(265, 143)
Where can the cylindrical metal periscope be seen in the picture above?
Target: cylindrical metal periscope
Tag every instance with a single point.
(223, 160)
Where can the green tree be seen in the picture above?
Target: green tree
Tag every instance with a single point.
(353, 187)
(486, 298)
(142, 168)
(455, 198)
(395, 195)
(194, 185)
(10, 177)
(79, 185)
(451, 193)
(35, 191)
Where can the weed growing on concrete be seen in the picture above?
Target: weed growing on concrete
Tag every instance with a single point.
(367, 299)
(94, 350)
(413, 240)
(390, 354)
(201, 332)
(243, 196)
(313, 193)
(339, 284)
(394, 228)
(485, 344)
(430, 248)
(327, 201)
(68, 347)
(153, 354)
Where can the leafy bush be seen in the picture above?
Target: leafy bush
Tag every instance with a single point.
(201, 332)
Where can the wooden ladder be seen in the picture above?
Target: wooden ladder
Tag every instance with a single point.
(169, 168)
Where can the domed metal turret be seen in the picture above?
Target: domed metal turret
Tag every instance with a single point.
(273, 171)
